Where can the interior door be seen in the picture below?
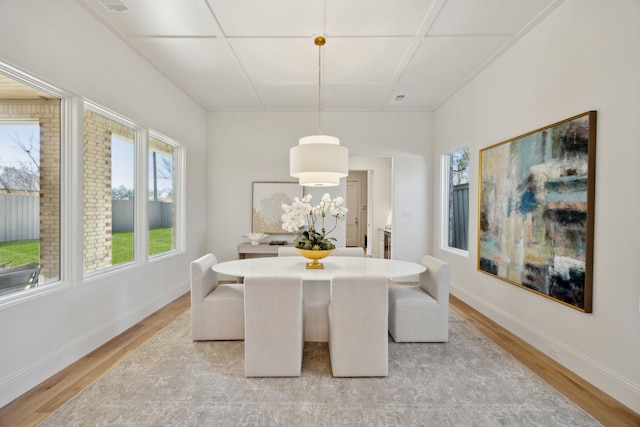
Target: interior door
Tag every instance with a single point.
(353, 204)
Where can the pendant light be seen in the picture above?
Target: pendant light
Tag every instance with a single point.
(319, 160)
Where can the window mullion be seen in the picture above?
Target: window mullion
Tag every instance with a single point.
(141, 215)
(72, 200)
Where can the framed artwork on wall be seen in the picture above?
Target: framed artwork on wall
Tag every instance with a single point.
(537, 198)
(268, 198)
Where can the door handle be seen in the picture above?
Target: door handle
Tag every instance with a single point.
(356, 220)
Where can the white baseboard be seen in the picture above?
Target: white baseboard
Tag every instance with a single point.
(595, 373)
(30, 376)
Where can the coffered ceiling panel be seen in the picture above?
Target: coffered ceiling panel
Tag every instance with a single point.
(486, 17)
(303, 97)
(366, 17)
(192, 59)
(257, 55)
(351, 97)
(449, 59)
(223, 96)
(364, 60)
(292, 60)
(159, 18)
(418, 98)
(260, 18)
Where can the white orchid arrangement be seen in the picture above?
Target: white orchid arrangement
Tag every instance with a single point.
(301, 217)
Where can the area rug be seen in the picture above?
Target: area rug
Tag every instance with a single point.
(172, 381)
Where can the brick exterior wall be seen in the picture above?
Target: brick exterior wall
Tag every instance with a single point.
(47, 113)
(97, 188)
(161, 147)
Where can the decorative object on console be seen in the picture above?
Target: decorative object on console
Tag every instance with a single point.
(256, 237)
(537, 198)
(309, 222)
(319, 160)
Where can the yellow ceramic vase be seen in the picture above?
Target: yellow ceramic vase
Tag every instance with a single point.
(314, 256)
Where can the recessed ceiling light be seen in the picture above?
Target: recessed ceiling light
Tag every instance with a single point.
(115, 5)
(399, 99)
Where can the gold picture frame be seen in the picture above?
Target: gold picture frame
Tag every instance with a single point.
(536, 211)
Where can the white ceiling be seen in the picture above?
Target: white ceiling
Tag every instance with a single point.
(259, 55)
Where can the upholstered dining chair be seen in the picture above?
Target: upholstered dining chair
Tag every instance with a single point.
(316, 297)
(288, 251)
(350, 251)
(421, 313)
(217, 311)
(358, 338)
(273, 342)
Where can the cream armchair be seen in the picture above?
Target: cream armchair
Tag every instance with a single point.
(421, 313)
(217, 311)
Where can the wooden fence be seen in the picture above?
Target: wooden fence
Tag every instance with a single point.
(20, 216)
(160, 214)
(459, 219)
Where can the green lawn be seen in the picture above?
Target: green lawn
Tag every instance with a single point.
(20, 252)
(26, 251)
(122, 244)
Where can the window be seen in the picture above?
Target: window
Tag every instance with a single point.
(455, 200)
(29, 187)
(109, 167)
(162, 155)
(39, 241)
(122, 200)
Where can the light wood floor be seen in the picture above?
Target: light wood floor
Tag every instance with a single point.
(35, 405)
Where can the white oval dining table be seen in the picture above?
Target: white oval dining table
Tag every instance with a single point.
(316, 283)
(295, 266)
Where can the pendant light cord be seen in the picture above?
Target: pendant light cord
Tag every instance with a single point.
(319, 41)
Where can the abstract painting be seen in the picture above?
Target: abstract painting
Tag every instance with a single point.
(536, 210)
(268, 198)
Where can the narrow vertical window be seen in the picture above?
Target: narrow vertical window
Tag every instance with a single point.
(109, 165)
(161, 195)
(122, 200)
(455, 199)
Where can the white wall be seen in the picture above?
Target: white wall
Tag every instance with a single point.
(247, 147)
(584, 56)
(45, 330)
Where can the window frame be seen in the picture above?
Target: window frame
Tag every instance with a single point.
(445, 165)
(63, 214)
(179, 201)
(141, 186)
(94, 108)
(71, 268)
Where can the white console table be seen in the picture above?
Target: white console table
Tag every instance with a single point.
(247, 250)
